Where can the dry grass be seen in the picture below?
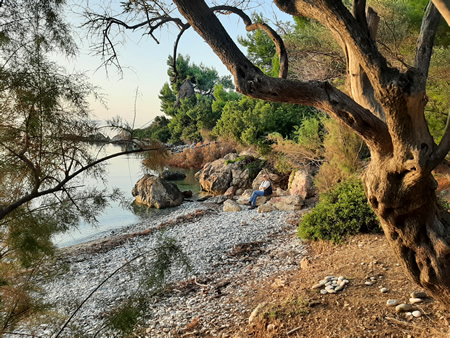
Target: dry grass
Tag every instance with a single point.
(199, 156)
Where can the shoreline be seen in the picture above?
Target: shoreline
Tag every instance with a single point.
(228, 251)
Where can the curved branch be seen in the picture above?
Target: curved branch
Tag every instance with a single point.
(279, 44)
(175, 48)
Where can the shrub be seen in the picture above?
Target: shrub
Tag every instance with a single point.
(198, 157)
(341, 212)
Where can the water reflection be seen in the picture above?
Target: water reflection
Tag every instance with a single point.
(122, 172)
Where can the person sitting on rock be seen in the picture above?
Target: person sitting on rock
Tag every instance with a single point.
(265, 189)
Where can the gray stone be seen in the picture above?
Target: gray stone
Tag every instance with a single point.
(323, 292)
(383, 290)
(418, 295)
(403, 308)
(230, 205)
(265, 208)
(392, 302)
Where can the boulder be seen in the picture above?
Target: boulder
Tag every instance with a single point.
(267, 207)
(301, 184)
(218, 199)
(230, 192)
(287, 203)
(281, 192)
(171, 175)
(230, 205)
(187, 193)
(230, 171)
(156, 192)
(239, 192)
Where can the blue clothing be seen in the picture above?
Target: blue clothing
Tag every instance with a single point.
(255, 195)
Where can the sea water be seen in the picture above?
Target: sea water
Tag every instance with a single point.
(121, 172)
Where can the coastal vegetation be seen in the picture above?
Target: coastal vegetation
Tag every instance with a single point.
(364, 110)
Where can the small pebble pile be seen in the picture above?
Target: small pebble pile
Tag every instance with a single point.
(331, 284)
(408, 309)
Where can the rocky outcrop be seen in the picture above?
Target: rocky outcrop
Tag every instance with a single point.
(171, 175)
(301, 184)
(230, 171)
(157, 193)
(287, 203)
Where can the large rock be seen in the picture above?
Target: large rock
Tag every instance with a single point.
(171, 175)
(287, 203)
(267, 207)
(301, 184)
(230, 205)
(230, 171)
(156, 192)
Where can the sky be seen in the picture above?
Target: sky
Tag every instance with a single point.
(133, 95)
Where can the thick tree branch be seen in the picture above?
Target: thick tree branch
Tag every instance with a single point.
(425, 42)
(359, 12)
(279, 44)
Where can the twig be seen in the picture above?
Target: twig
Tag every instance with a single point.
(202, 285)
(293, 330)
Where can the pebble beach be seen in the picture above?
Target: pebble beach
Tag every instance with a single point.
(227, 252)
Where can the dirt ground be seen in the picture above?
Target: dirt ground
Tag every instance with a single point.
(293, 309)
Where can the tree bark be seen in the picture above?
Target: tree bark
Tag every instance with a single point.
(398, 182)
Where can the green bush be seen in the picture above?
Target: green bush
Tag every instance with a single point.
(341, 212)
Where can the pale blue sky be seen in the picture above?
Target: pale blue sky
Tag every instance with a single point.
(144, 69)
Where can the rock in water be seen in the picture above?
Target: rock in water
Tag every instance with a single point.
(171, 175)
(157, 193)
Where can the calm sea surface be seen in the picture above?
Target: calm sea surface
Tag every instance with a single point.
(122, 172)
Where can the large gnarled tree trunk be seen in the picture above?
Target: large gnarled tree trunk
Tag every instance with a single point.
(386, 108)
